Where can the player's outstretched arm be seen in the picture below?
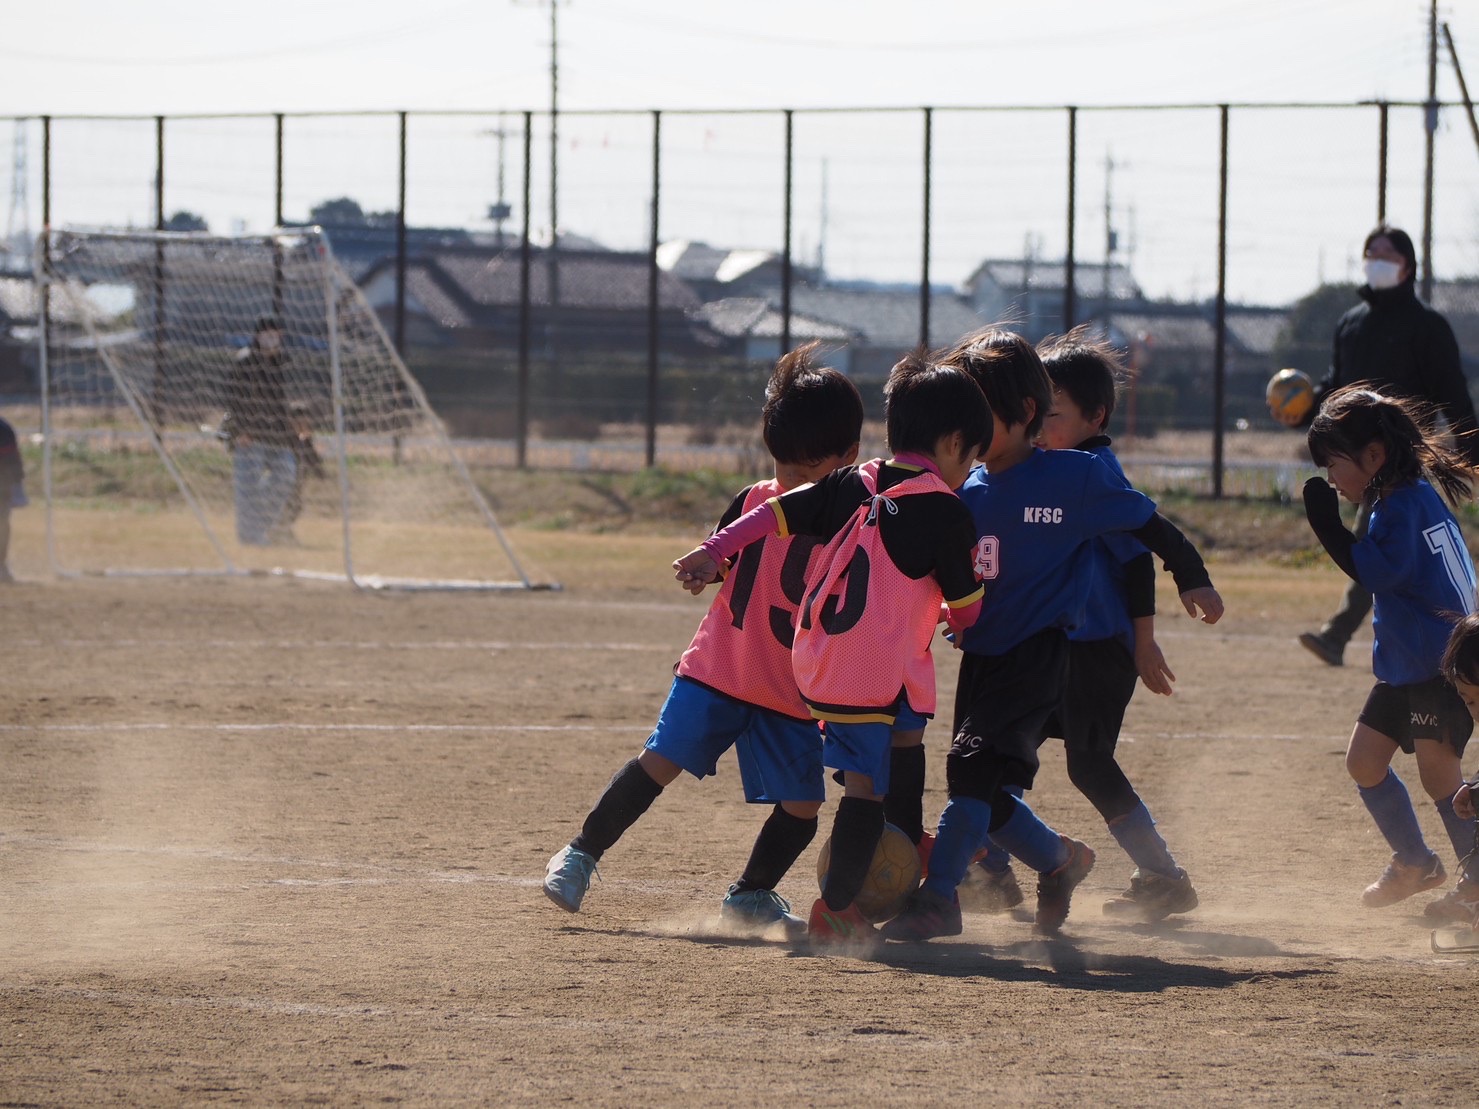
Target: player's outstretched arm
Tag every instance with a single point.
(1322, 509)
(1205, 598)
(695, 570)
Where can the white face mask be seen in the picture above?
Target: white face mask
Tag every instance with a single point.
(1381, 274)
(270, 342)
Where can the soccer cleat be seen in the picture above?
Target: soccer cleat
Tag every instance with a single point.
(1332, 654)
(926, 915)
(846, 931)
(567, 877)
(926, 845)
(992, 891)
(1398, 882)
(1153, 896)
(1459, 905)
(758, 910)
(1055, 890)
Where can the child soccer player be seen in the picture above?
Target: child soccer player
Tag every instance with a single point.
(898, 544)
(1381, 451)
(1035, 512)
(1113, 643)
(1461, 667)
(733, 685)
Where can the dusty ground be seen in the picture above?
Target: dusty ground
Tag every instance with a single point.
(268, 842)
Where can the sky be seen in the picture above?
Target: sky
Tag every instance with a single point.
(1303, 183)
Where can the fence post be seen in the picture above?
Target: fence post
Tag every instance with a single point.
(400, 247)
(277, 220)
(1219, 365)
(786, 245)
(924, 276)
(521, 429)
(1070, 277)
(156, 389)
(652, 292)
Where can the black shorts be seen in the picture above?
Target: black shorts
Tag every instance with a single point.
(1423, 710)
(1101, 681)
(1001, 704)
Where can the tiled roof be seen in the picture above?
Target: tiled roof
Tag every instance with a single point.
(887, 318)
(737, 317)
(1017, 275)
(604, 280)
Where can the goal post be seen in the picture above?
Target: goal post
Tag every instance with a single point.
(233, 405)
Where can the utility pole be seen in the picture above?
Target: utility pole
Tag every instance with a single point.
(18, 230)
(554, 145)
(1430, 127)
(500, 210)
(1111, 239)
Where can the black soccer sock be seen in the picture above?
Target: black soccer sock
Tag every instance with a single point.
(779, 844)
(629, 794)
(855, 833)
(903, 807)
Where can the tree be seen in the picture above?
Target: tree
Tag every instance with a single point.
(1305, 341)
(185, 221)
(346, 212)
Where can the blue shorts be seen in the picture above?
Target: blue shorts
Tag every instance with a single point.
(864, 748)
(780, 757)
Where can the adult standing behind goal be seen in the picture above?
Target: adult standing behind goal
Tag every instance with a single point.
(12, 490)
(1399, 346)
(260, 432)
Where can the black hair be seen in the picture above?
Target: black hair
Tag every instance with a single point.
(268, 323)
(1461, 656)
(1085, 366)
(1009, 373)
(924, 401)
(1400, 240)
(1356, 416)
(811, 412)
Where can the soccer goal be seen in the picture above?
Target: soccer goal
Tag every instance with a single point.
(180, 435)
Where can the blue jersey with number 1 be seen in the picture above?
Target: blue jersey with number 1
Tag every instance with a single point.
(1035, 523)
(1416, 564)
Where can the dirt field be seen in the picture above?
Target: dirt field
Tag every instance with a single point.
(267, 842)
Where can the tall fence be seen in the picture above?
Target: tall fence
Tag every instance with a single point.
(540, 290)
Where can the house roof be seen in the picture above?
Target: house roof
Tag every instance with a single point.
(1248, 332)
(756, 317)
(1017, 275)
(458, 281)
(694, 261)
(887, 317)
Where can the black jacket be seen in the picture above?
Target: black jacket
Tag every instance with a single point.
(1401, 346)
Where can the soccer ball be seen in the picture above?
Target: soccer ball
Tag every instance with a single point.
(1290, 395)
(892, 876)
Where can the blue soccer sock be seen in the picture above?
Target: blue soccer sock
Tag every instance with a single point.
(1135, 832)
(997, 859)
(962, 829)
(1391, 808)
(1029, 839)
(1460, 834)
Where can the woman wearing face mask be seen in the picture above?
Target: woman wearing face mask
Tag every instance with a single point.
(1399, 346)
(260, 431)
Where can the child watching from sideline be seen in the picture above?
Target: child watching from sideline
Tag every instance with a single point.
(898, 544)
(1036, 513)
(733, 685)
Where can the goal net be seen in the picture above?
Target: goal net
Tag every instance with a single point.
(233, 405)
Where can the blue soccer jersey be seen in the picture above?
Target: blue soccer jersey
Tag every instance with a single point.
(1417, 566)
(1106, 613)
(1034, 524)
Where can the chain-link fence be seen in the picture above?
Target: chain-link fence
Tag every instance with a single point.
(1216, 243)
